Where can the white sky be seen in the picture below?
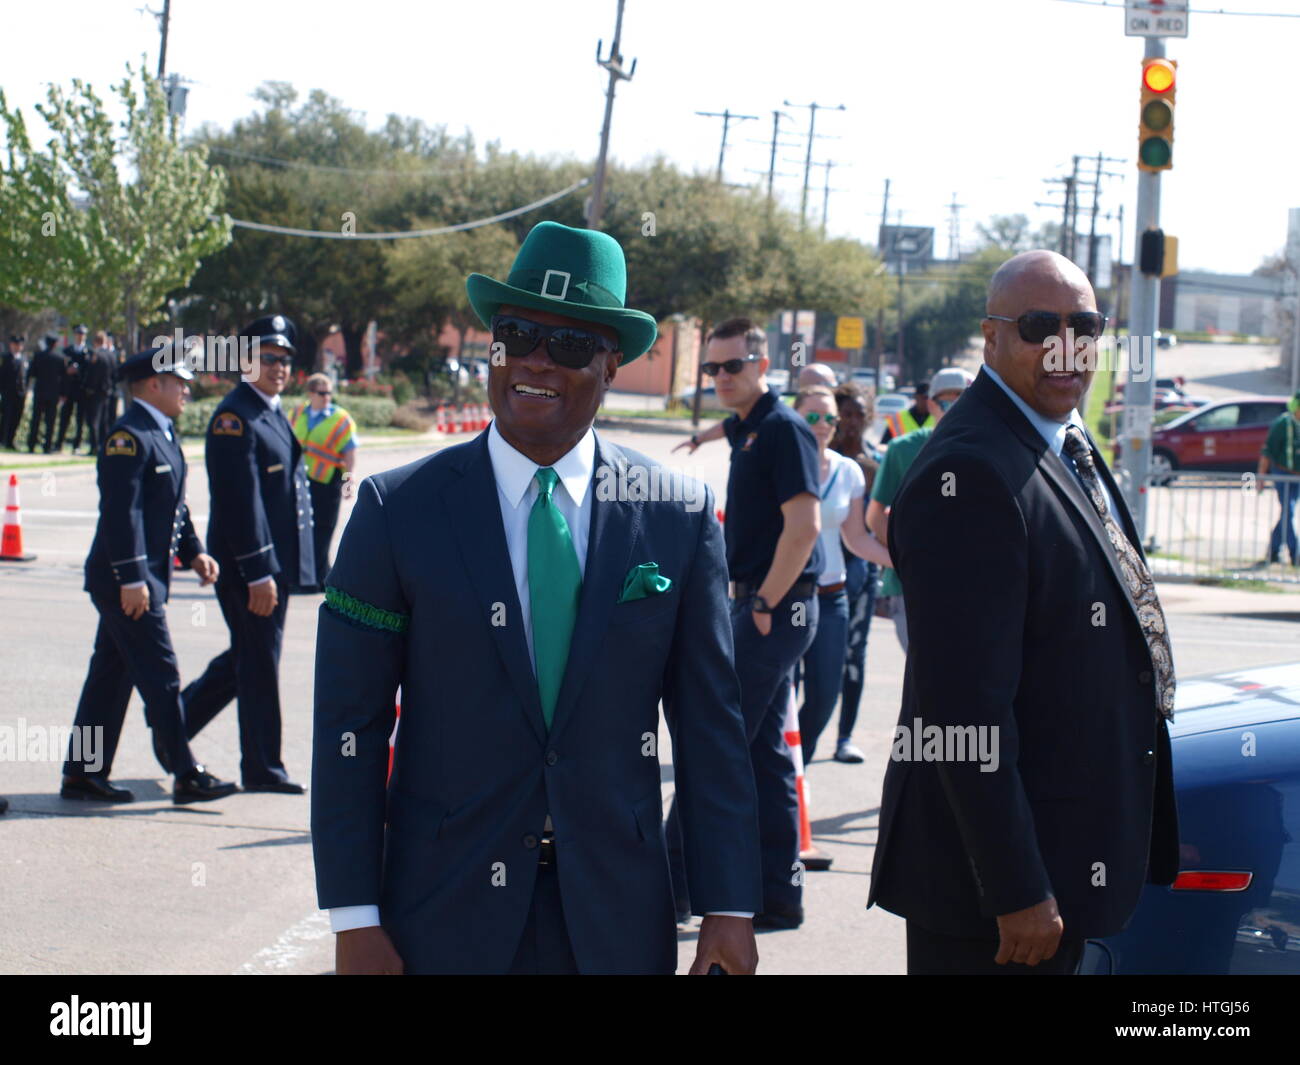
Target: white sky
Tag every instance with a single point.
(984, 99)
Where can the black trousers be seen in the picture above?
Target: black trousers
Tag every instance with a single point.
(250, 673)
(95, 427)
(544, 948)
(325, 502)
(72, 404)
(935, 954)
(131, 654)
(42, 409)
(11, 413)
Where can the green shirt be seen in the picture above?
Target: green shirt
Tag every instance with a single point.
(899, 456)
(1280, 446)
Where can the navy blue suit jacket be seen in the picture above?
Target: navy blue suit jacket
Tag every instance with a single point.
(448, 849)
(261, 508)
(143, 519)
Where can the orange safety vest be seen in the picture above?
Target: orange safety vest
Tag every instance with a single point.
(322, 447)
(901, 422)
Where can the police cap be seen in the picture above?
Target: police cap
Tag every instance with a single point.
(154, 361)
(273, 329)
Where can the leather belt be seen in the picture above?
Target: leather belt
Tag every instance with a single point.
(831, 589)
(747, 589)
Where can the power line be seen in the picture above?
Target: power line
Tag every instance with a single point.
(323, 234)
(726, 117)
(1194, 10)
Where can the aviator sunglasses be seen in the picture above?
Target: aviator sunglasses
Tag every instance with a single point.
(1037, 326)
(567, 345)
(732, 366)
(815, 416)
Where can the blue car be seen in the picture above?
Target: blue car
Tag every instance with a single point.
(1235, 907)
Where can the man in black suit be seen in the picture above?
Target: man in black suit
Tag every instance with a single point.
(76, 355)
(48, 370)
(1029, 793)
(100, 374)
(13, 389)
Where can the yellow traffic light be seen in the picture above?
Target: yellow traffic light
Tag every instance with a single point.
(1156, 121)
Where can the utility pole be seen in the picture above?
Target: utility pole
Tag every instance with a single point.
(826, 190)
(726, 117)
(1096, 200)
(813, 108)
(954, 229)
(163, 20)
(1144, 318)
(879, 345)
(614, 64)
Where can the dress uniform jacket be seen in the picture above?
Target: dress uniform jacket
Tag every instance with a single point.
(261, 509)
(144, 521)
(48, 371)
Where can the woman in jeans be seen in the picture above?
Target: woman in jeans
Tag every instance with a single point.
(842, 490)
(856, 408)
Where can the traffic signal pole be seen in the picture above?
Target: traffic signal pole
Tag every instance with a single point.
(1144, 317)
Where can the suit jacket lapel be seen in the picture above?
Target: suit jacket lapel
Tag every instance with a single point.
(613, 533)
(472, 499)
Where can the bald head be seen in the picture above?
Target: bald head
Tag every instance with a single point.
(817, 373)
(1032, 271)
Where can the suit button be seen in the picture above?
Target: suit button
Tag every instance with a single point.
(1149, 758)
(530, 841)
(552, 758)
(1144, 677)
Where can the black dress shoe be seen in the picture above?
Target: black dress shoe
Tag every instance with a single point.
(783, 919)
(198, 785)
(283, 787)
(161, 754)
(98, 788)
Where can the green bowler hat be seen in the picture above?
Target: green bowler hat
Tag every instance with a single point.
(580, 273)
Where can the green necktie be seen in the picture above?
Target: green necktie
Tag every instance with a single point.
(554, 582)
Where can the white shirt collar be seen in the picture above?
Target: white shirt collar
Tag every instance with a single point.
(164, 422)
(1052, 431)
(514, 471)
(271, 401)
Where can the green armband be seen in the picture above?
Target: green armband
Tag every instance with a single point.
(372, 617)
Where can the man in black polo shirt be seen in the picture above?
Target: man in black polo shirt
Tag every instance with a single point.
(774, 557)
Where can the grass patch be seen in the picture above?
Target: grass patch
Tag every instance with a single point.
(1242, 584)
(681, 414)
(1098, 422)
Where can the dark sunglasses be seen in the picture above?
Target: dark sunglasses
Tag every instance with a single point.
(567, 345)
(276, 360)
(320, 393)
(732, 366)
(1037, 326)
(815, 416)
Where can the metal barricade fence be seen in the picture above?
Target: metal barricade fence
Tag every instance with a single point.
(1218, 525)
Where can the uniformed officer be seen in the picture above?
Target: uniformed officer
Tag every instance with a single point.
(13, 390)
(144, 524)
(76, 355)
(260, 530)
(100, 370)
(46, 379)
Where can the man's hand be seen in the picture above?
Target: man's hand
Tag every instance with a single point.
(207, 569)
(135, 601)
(691, 443)
(729, 941)
(762, 622)
(262, 598)
(367, 952)
(1031, 935)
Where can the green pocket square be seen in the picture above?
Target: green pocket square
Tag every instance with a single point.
(644, 580)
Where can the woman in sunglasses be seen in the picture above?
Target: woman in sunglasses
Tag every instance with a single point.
(843, 488)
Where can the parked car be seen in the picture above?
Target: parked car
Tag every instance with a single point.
(886, 405)
(866, 378)
(1235, 906)
(1165, 340)
(780, 380)
(708, 398)
(1225, 435)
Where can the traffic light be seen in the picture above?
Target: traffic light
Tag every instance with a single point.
(1156, 122)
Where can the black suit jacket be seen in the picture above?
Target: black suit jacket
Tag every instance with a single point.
(1018, 620)
(260, 523)
(144, 521)
(48, 370)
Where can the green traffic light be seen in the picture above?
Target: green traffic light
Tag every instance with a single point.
(1155, 151)
(1157, 115)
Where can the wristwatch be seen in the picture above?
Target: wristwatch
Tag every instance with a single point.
(695, 440)
(760, 606)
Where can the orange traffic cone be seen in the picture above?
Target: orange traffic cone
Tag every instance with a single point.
(483, 417)
(441, 424)
(11, 544)
(813, 859)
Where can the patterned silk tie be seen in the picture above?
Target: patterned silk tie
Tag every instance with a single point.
(554, 584)
(1137, 578)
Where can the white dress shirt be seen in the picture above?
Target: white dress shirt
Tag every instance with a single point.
(516, 477)
(165, 424)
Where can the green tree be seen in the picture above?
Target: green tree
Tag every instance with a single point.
(128, 212)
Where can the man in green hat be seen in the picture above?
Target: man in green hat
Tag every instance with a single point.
(535, 611)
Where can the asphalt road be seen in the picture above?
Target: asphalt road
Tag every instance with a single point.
(228, 887)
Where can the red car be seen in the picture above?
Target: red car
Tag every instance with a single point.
(1225, 435)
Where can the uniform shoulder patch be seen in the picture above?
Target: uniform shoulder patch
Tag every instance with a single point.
(227, 424)
(121, 443)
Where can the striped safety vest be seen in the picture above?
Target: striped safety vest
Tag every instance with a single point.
(322, 447)
(901, 422)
